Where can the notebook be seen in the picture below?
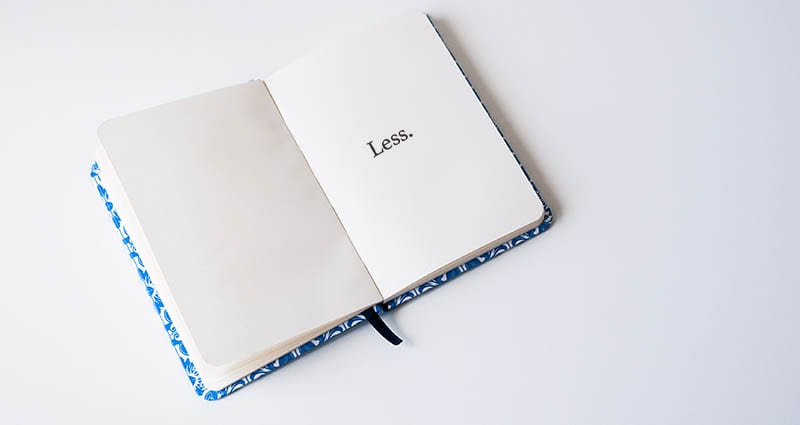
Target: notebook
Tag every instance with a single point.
(267, 218)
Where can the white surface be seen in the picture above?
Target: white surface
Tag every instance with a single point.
(453, 188)
(663, 133)
(222, 207)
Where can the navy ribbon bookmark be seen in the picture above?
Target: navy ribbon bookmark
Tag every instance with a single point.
(375, 320)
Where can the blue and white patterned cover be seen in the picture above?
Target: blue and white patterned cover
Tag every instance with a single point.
(332, 333)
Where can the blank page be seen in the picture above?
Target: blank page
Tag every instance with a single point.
(251, 251)
(417, 204)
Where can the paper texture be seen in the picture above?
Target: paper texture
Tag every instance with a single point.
(250, 250)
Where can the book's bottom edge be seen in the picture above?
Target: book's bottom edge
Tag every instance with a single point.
(216, 394)
(390, 305)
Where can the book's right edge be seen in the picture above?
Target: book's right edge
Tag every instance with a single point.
(447, 276)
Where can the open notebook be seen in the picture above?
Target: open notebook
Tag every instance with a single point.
(266, 216)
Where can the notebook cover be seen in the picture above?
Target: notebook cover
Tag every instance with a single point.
(329, 335)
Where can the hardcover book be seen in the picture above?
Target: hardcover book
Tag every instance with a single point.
(267, 218)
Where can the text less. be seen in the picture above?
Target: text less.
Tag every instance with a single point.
(388, 143)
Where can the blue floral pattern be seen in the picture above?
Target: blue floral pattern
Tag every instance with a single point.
(329, 335)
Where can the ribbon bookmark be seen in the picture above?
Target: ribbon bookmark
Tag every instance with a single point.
(375, 320)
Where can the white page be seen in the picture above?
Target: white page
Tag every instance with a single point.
(250, 251)
(451, 188)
